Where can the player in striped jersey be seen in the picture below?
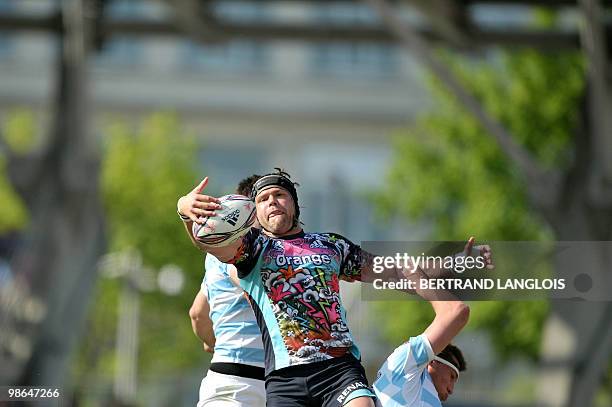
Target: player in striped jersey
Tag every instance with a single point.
(224, 321)
(424, 370)
(414, 376)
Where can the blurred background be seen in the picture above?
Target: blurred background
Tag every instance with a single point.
(401, 120)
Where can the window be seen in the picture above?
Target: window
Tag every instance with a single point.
(238, 11)
(126, 9)
(6, 39)
(237, 56)
(352, 58)
(234, 57)
(120, 51)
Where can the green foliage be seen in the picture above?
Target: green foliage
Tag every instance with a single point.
(13, 215)
(18, 133)
(96, 349)
(449, 170)
(144, 172)
(604, 394)
(143, 175)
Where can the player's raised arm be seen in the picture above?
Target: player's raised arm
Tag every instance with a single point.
(195, 208)
(451, 313)
(427, 361)
(451, 317)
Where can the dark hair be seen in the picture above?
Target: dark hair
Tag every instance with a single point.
(246, 185)
(453, 355)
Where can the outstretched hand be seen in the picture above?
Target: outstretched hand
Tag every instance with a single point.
(197, 206)
(483, 251)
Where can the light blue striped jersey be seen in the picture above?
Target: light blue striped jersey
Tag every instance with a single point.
(238, 338)
(403, 379)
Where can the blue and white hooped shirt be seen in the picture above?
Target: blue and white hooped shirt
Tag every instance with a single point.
(403, 379)
(238, 338)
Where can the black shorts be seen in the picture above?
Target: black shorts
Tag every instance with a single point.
(330, 383)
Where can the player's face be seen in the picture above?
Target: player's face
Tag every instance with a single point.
(444, 379)
(275, 210)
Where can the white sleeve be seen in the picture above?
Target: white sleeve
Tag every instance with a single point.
(210, 262)
(411, 357)
(421, 350)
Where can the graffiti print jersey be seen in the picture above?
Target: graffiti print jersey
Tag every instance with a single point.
(293, 285)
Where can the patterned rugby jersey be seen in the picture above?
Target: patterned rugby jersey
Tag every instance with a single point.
(293, 285)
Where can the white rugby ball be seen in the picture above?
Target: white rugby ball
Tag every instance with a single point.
(232, 221)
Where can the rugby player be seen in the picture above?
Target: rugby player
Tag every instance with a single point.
(292, 280)
(222, 318)
(423, 371)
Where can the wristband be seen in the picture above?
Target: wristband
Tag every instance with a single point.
(184, 218)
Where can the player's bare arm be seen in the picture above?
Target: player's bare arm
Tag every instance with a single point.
(451, 313)
(193, 208)
(200, 321)
(451, 317)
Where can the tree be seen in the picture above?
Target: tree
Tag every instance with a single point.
(19, 136)
(448, 170)
(57, 184)
(562, 181)
(144, 171)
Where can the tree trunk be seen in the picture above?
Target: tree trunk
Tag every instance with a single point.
(577, 337)
(57, 261)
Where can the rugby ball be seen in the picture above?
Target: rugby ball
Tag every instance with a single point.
(232, 221)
